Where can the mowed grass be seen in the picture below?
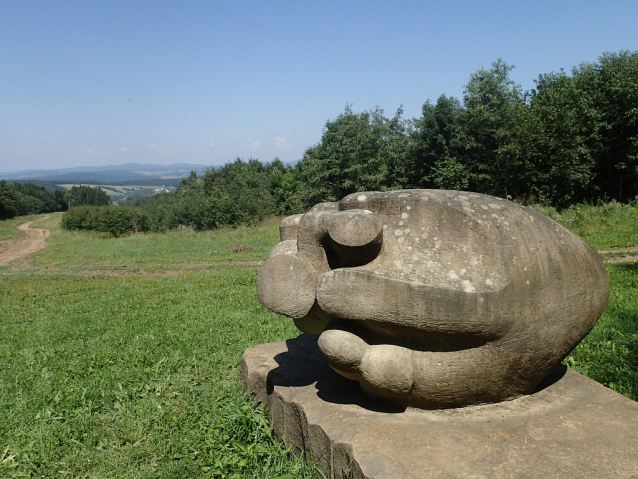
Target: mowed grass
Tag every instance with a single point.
(119, 357)
(133, 376)
(178, 250)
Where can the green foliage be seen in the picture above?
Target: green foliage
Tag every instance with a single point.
(87, 196)
(7, 201)
(114, 220)
(186, 206)
(21, 199)
(574, 138)
(558, 139)
(493, 116)
(438, 152)
(357, 152)
(284, 182)
(239, 193)
(449, 173)
(612, 85)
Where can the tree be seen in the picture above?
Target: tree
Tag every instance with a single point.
(283, 185)
(439, 149)
(612, 85)
(21, 199)
(492, 121)
(357, 152)
(558, 138)
(240, 192)
(7, 201)
(582, 132)
(87, 196)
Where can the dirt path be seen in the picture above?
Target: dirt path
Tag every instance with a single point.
(19, 248)
(621, 259)
(633, 249)
(625, 258)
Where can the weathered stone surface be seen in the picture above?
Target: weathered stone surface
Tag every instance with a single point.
(435, 299)
(571, 428)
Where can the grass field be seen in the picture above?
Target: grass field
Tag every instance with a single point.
(119, 357)
(131, 371)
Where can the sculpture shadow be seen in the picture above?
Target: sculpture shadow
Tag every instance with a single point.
(556, 375)
(303, 365)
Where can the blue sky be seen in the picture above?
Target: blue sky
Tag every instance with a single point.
(108, 82)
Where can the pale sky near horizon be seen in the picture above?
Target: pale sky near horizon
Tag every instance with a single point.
(90, 83)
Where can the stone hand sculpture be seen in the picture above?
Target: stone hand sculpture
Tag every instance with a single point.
(432, 298)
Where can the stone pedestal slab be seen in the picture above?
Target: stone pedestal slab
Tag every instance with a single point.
(572, 427)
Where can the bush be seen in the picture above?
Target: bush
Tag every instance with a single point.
(113, 220)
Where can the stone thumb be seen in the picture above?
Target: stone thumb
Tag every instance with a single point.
(383, 369)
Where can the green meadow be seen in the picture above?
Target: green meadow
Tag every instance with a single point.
(119, 356)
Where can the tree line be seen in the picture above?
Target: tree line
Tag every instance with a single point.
(240, 192)
(571, 139)
(22, 199)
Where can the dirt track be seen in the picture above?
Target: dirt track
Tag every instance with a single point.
(19, 248)
(621, 259)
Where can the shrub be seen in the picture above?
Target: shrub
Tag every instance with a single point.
(113, 220)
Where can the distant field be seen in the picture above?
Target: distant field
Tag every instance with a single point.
(116, 192)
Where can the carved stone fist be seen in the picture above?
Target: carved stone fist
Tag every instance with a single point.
(432, 298)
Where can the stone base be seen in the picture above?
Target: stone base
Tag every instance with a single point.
(572, 427)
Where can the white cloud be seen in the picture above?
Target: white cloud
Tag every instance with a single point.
(252, 146)
(152, 146)
(212, 144)
(280, 142)
(104, 152)
(123, 148)
(89, 151)
(202, 151)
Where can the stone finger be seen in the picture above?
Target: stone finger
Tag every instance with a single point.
(286, 284)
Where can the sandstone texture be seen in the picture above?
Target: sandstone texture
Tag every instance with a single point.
(435, 299)
(572, 427)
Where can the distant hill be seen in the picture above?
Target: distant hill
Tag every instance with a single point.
(129, 172)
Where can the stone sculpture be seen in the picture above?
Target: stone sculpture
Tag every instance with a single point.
(432, 298)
